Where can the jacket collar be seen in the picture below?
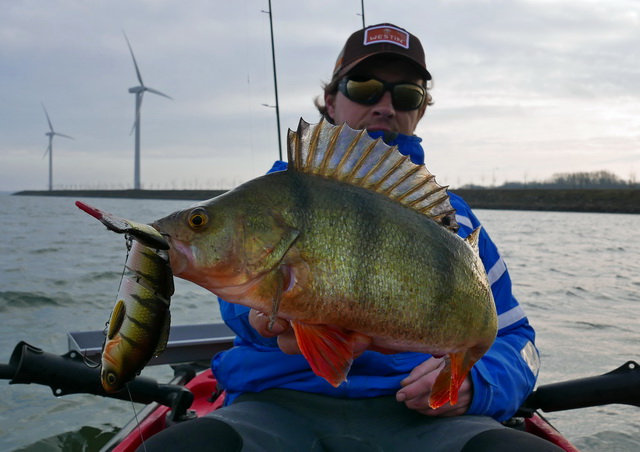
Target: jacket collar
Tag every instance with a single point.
(407, 144)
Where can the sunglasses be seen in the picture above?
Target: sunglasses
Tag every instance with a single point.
(405, 96)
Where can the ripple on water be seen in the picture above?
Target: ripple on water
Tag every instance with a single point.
(10, 300)
(47, 250)
(104, 276)
(610, 441)
(86, 438)
(592, 326)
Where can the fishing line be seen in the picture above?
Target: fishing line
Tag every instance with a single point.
(135, 415)
(129, 244)
(89, 363)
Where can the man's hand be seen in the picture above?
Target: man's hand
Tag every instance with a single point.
(416, 389)
(287, 338)
(281, 328)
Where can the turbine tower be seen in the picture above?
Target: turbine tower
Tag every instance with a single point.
(49, 150)
(139, 92)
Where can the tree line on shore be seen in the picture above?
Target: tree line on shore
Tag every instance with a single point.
(567, 181)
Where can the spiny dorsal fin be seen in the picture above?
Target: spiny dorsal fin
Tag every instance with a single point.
(473, 239)
(352, 156)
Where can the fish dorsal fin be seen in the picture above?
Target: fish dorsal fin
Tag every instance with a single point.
(473, 239)
(352, 156)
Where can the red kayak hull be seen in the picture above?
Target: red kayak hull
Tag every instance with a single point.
(207, 399)
(203, 387)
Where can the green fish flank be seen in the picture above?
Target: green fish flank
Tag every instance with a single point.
(353, 235)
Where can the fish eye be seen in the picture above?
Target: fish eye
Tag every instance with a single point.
(198, 218)
(111, 378)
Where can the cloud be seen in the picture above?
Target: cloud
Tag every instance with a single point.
(519, 85)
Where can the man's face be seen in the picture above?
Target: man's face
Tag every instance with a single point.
(382, 115)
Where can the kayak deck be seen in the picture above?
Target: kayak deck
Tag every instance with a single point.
(208, 398)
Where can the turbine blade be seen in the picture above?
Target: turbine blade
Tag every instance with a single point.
(63, 135)
(48, 120)
(46, 152)
(134, 59)
(155, 91)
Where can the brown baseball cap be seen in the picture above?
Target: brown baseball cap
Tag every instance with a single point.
(376, 40)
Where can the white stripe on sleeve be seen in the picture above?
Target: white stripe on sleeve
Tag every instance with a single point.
(510, 317)
(464, 221)
(496, 271)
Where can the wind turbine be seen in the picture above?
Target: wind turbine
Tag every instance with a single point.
(139, 92)
(49, 150)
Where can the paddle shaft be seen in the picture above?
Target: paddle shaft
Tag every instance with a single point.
(68, 374)
(618, 386)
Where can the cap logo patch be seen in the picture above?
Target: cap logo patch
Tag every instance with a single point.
(392, 35)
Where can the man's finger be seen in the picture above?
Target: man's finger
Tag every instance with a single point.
(260, 322)
(421, 370)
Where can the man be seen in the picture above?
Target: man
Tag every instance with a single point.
(275, 402)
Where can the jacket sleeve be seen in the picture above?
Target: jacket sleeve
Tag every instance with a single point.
(507, 373)
(237, 318)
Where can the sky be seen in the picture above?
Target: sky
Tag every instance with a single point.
(523, 90)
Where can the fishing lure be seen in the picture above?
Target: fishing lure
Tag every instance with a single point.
(138, 327)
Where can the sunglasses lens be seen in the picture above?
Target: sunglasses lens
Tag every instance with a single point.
(364, 92)
(408, 97)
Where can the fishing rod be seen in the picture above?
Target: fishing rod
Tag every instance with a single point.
(275, 79)
(362, 13)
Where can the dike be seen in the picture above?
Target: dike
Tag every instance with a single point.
(194, 195)
(587, 200)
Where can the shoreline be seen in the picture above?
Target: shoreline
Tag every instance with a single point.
(577, 200)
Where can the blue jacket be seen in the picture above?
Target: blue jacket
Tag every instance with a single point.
(502, 379)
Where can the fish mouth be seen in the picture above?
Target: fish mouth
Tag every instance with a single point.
(180, 254)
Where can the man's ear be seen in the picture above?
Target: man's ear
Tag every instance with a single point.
(422, 110)
(330, 103)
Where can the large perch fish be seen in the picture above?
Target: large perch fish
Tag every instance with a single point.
(352, 235)
(139, 323)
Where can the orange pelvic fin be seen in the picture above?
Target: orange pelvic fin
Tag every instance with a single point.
(445, 389)
(328, 350)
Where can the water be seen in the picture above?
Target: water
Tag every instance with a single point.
(577, 275)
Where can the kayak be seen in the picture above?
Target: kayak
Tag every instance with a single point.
(208, 398)
(194, 391)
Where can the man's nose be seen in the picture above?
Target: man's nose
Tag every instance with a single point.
(384, 107)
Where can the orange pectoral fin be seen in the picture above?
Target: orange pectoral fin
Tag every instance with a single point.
(445, 389)
(328, 350)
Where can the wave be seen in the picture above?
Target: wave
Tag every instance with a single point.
(47, 250)
(609, 440)
(585, 325)
(85, 438)
(12, 300)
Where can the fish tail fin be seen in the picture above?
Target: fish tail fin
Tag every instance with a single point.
(445, 389)
(328, 350)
